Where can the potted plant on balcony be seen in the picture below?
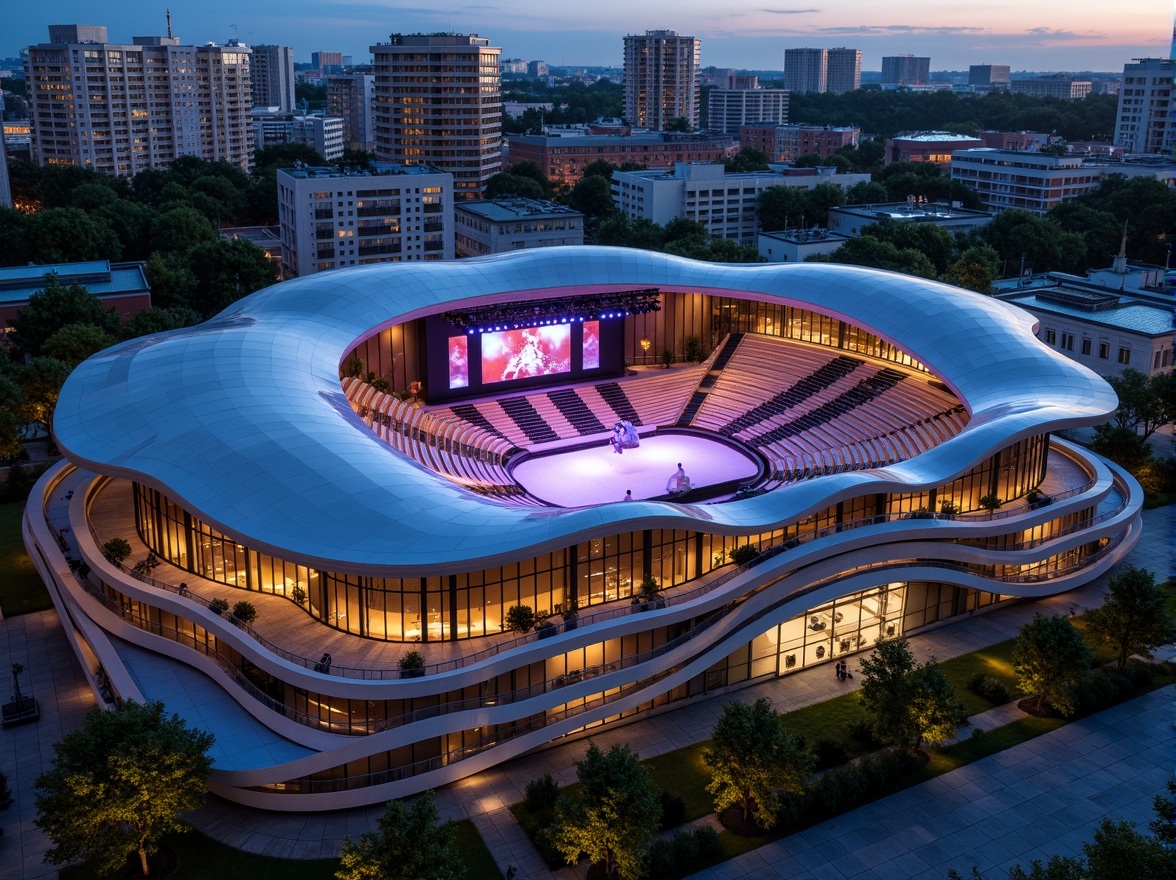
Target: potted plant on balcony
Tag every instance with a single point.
(991, 503)
(298, 595)
(244, 612)
(743, 554)
(116, 550)
(218, 606)
(571, 615)
(948, 509)
(412, 665)
(520, 619)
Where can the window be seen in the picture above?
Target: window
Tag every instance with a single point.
(1068, 341)
(1124, 355)
(1051, 337)
(1086, 346)
(1104, 351)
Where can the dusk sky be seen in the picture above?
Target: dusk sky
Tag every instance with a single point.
(1055, 35)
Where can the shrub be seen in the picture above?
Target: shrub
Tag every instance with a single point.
(948, 508)
(863, 731)
(921, 513)
(673, 810)
(218, 606)
(116, 550)
(20, 481)
(989, 688)
(685, 848)
(540, 793)
(829, 753)
(245, 612)
(298, 595)
(991, 502)
(667, 357)
(648, 585)
(545, 629)
(709, 845)
(520, 619)
(412, 660)
(692, 348)
(743, 554)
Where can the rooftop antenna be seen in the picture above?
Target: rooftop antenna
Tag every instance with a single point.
(234, 27)
(169, 32)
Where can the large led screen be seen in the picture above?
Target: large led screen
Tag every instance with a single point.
(459, 362)
(591, 348)
(520, 354)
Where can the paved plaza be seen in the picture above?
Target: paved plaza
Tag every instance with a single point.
(1039, 798)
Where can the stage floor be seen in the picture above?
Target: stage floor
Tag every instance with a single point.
(598, 475)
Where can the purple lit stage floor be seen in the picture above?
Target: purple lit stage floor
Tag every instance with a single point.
(598, 475)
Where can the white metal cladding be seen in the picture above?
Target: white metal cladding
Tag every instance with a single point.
(243, 419)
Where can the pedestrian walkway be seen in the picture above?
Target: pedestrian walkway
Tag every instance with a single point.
(38, 643)
(1044, 797)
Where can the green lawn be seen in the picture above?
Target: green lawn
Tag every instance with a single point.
(21, 590)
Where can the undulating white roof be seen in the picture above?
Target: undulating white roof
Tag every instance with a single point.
(242, 419)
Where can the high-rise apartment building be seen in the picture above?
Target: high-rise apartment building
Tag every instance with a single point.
(843, 70)
(121, 108)
(1055, 85)
(806, 70)
(323, 134)
(332, 217)
(730, 109)
(1144, 122)
(823, 70)
(988, 75)
(437, 100)
(327, 63)
(350, 98)
(271, 77)
(662, 79)
(905, 70)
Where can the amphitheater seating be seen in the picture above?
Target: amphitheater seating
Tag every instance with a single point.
(809, 410)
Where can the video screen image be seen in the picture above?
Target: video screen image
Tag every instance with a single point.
(591, 348)
(459, 362)
(532, 351)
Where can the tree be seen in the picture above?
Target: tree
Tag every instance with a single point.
(411, 844)
(1145, 402)
(67, 235)
(520, 618)
(157, 320)
(506, 184)
(12, 421)
(975, 269)
(1133, 618)
(752, 759)
(40, 382)
(180, 227)
(225, 271)
(865, 250)
(55, 307)
(613, 816)
(908, 702)
(1049, 658)
(747, 159)
(119, 784)
(73, 343)
(1118, 850)
(782, 207)
(592, 197)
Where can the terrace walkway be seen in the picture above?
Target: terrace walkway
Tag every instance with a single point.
(1121, 756)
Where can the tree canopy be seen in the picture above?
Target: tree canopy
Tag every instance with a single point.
(412, 843)
(55, 307)
(753, 760)
(1133, 618)
(1146, 403)
(614, 815)
(120, 783)
(908, 702)
(1050, 657)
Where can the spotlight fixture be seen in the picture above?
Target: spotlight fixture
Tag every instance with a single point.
(562, 310)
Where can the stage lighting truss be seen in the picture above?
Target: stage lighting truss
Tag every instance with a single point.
(561, 310)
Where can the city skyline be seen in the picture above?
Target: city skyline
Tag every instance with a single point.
(1052, 35)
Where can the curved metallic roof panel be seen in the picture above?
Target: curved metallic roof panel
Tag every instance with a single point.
(243, 420)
